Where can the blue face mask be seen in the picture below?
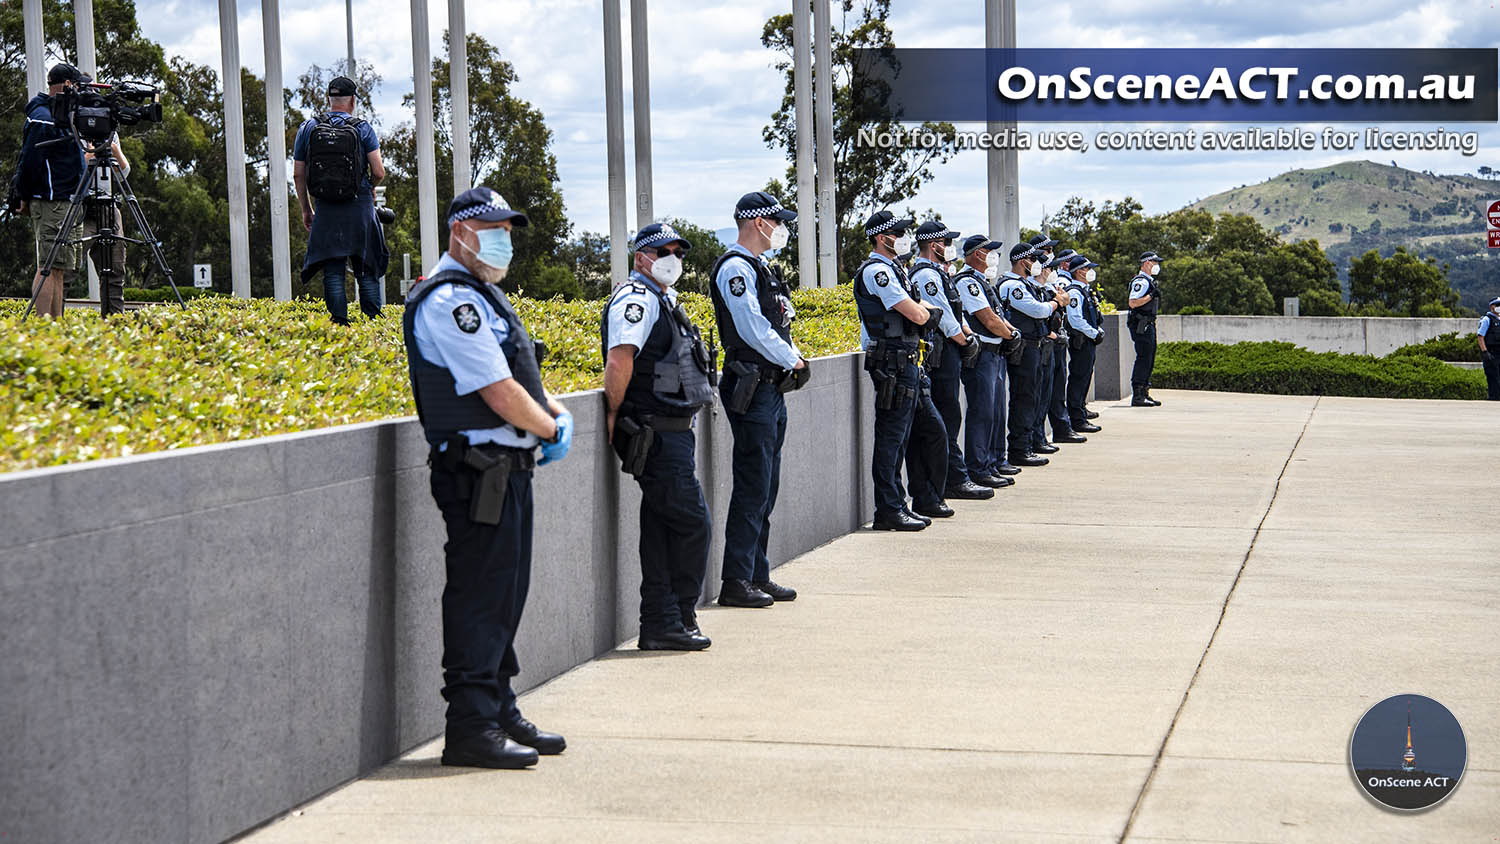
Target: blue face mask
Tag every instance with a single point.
(495, 248)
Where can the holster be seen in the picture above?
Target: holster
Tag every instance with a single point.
(970, 353)
(1047, 352)
(487, 485)
(1076, 340)
(794, 379)
(636, 447)
(745, 387)
(885, 389)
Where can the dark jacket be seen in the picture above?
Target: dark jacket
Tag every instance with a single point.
(52, 171)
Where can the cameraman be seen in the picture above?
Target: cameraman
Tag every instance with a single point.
(45, 180)
(336, 159)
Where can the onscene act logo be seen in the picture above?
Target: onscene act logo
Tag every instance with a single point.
(1408, 752)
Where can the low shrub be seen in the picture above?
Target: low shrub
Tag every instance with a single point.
(81, 388)
(1451, 346)
(1286, 369)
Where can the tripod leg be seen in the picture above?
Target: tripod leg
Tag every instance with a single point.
(139, 217)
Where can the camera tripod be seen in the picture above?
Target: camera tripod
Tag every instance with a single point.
(102, 160)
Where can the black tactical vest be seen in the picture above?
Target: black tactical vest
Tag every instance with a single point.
(1029, 326)
(880, 323)
(1086, 303)
(1492, 332)
(1149, 309)
(775, 304)
(946, 287)
(969, 275)
(442, 411)
(671, 376)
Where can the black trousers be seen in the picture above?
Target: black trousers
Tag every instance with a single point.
(675, 529)
(1023, 385)
(489, 572)
(927, 451)
(1043, 394)
(1145, 356)
(1080, 373)
(945, 385)
(1492, 375)
(759, 434)
(1057, 407)
(892, 428)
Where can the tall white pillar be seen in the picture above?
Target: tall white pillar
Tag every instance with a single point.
(83, 28)
(1003, 173)
(349, 37)
(458, 95)
(640, 111)
(281, 252)
(614, 136)
(421, 73)
(36, 57)
(828, 261)
(234, 150)
(807, 218)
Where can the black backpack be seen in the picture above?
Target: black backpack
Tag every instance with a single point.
(335, 159)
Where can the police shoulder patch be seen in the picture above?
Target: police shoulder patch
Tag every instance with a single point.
(634, 312)
(467, 318)
(973, 288)
(1015, 293)
(931, 288)
(1072, 300)
(882, 278)
(737, 285)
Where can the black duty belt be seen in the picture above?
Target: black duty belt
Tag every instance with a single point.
(452, 459)
(669, 424)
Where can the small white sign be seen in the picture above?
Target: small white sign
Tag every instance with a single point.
(203, 275)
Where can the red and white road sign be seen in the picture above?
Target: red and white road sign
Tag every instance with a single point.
(1495, 238)
(1492, 223)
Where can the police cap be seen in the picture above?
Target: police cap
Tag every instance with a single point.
(980, 241)
(934, 230)
(656, 236)
(761, 204)
(884, 222)
(483, 204)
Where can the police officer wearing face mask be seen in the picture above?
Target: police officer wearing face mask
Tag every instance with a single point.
(476, 378)
(892, 321)
(658, 374)
(1027, 311)
(1085, 332)
(1145, 302)
(935, 466)
(984, 376)
(753, 310)
(1489, 347)
(1057, 280)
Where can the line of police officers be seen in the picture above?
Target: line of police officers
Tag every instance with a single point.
(475, 375)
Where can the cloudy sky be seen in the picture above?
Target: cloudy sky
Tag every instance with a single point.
(713, 87)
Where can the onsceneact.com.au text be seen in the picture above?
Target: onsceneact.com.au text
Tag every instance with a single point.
(1254, 139)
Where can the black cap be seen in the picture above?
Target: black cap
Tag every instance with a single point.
(342, 86)
(1042, 241)
(657, 235)
(62, 72)
(980, 241)
(934, 230)
(1057, 261)
(1079, 262)
(1148, 256)
(1067, 253)
(483, 204)
(884, 222)
(761, 204)
(1022, 251)
(1495, 301)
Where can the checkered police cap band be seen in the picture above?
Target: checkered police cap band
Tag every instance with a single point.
(884, 227)
(945, 234)
(665, 234)
(496, 202)
(766, 211)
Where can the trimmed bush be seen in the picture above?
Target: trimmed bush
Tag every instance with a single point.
(1451, 346)
(82, 388)
(1286, 369)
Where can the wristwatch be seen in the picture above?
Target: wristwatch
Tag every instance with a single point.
(556, 434)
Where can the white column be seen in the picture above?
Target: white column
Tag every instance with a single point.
(349, 36)
(807, 218)
(421, 64)
(281, 252)
(83, 28)
(614, 136)
(36, 58)
(234, 150)
(458, 90)
(1001, 165)
(828, 262)
(640, 111)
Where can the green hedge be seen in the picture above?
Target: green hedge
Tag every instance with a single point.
(1450, 346)
(81, 388)
(1286, 369)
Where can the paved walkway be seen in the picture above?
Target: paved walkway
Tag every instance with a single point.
(1168, 634)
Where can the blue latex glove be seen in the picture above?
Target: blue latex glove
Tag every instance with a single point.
(553, 452)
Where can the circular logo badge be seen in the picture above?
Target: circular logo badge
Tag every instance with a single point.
(1408, 752)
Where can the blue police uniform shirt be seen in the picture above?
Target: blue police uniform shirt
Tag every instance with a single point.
(474, 358)
(744, 309)
(1140, 286)
(929, 281)
(971, 295)
(1076, 321)
(368, 141)
(633, 312)
(881, 280)
(1016, 294)
(1484, 325)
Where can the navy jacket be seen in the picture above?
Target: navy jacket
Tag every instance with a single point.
(52, 171)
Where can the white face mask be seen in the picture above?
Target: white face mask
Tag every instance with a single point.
(992, 272)
(1090, 275)
(667, 270)
(950, 253)
(1155, 269)
(1036, 269)
(992, 260)
(902, 245)
(780, 235)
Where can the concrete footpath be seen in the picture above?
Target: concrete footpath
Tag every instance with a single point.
(1167, 634)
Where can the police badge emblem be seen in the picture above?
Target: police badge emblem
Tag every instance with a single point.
(882, 278)
(931, 288)
(737, 286)
(467, 317)
(973, 288)
(634, 312)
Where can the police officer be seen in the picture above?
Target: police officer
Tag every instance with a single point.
(478, 388)
(1489, 347)
(754, 313)
(1057, 281)
(936, 469)
(1145, 302)
(984, 377)
(1027, 311)
(657, 374)
(892, 321)
(1085, 332)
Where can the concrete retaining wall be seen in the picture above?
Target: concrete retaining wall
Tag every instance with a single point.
(197, 641)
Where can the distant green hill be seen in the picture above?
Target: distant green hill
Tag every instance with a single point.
(1360, 205)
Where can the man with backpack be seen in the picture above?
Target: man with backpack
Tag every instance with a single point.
(337, 162)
